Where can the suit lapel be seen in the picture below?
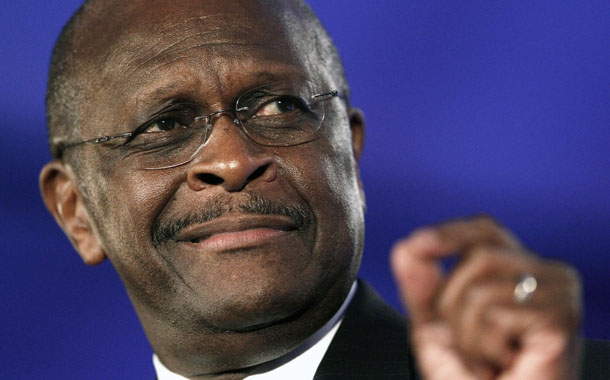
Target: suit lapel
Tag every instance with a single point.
(371, 342)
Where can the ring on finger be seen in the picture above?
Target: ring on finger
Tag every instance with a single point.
(525, 288)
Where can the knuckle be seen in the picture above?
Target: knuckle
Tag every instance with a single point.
(494, 232)
(489, 225)
(422, 232)
(571, 275)
(573, 285)
(563, 283)
(398, 246)
(562, 273)
(478, 297)
(396, 254)
(486, 260)
(418, 238)
(484, 220)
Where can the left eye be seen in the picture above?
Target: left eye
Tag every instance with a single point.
(279, 106)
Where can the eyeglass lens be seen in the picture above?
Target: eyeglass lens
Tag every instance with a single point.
(271, 116)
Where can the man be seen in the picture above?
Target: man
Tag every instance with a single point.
(208, 149)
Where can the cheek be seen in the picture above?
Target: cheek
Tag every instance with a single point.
(329, 180)
(340, 168)
(139, 198)
(134, 202)
(346, 220)
(344, 190)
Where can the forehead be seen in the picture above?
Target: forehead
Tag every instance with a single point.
(142, 23)
(157, 45)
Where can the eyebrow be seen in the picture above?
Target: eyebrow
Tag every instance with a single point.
(176, 87)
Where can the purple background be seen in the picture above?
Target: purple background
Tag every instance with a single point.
(495, 107)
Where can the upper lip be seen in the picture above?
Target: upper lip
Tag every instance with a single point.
(235, 223)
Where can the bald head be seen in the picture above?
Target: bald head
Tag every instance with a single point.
(103, 33)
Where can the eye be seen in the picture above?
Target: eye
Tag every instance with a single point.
(164, 125)
(280, 106)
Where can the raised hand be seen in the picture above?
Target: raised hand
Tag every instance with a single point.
(502, 313)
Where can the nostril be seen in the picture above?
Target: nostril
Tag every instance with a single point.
(257, 173)
(210, 178)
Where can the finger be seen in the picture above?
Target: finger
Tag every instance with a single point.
(436, 355)
(558, 285)
(543, 347)
(484, 337)
(484, 263)
(478, 336)
(417, 273)
(463, 234)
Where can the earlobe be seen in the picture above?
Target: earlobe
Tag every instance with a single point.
(60, 193)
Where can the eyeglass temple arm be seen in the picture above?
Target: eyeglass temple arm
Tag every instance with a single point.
(329, 94)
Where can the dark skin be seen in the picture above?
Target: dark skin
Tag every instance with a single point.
(211, 311)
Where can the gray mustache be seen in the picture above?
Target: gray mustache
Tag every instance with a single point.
(222, 205)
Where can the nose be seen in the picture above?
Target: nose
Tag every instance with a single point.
(230, 160)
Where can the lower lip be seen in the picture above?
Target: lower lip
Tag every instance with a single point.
(239, 239)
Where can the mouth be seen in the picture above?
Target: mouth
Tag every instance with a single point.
(234, 231)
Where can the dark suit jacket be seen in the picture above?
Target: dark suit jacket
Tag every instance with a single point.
(371, 343)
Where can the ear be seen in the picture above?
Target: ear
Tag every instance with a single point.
(60, 193)
(356, 122)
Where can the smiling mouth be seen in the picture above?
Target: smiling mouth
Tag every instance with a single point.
(236, 231)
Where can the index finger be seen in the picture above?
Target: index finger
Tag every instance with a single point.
(416, 260)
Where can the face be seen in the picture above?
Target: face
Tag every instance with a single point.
(244, 236)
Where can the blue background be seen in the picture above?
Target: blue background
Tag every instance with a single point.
(482, 106)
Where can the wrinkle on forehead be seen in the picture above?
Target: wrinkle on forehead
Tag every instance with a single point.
(145, 48)
(146, 45)
(191, 19)
(213, 50)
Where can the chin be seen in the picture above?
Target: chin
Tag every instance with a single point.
(253, 305)
(253, 287)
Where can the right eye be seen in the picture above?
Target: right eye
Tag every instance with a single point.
(164, 125)
(168, 128)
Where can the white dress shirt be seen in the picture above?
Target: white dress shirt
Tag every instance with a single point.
(299, 364)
